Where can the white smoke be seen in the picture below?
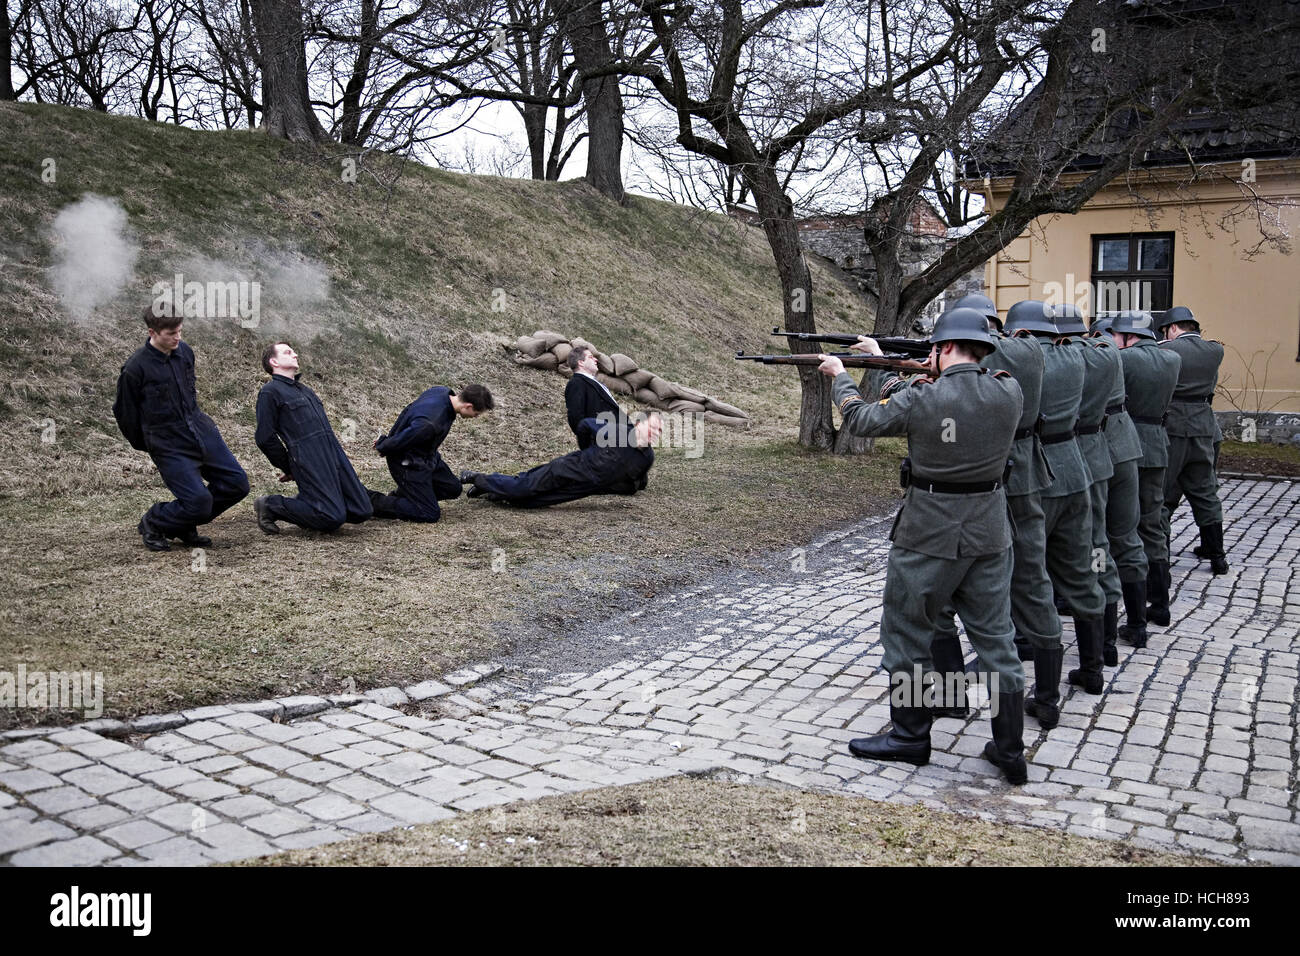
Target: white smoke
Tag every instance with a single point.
(94, 255)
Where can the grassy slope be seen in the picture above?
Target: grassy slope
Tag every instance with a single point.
(412, 270)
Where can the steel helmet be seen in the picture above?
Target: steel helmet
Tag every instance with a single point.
(1069, 319)
(961, 325)
(1102, 323)
(1179, 313)
(1030, 315)
(1133, 322)
(980, 303)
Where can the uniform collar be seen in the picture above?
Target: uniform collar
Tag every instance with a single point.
(962, 367)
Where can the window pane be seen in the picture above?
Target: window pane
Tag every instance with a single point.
(1155, 294)
(1112, 255)
(1154, 254)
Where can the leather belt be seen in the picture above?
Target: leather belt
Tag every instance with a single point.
(1057, 438)
(1195, 399)
(1087, 429)
(921, 483)
(1022, 433)
(1115, 409)
(1148, 420)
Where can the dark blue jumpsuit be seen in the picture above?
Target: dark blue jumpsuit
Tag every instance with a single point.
(604, 467)
(158, 412)
(295, 435)
(411, 449)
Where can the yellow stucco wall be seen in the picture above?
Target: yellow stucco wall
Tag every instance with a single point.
(1251, 305)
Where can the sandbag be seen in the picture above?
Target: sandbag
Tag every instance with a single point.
(562, 351)
(552, 339)
(691, 394)
(615, 385)
(639, 378)
(546, 361)
(728, 420)
(684, 406)
(622, 364)
(604, 363)
(529, 346)
(722, 408)
(648, 397)
(581, 343)
(665, 389)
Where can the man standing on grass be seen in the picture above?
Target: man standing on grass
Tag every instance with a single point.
(411, 450)
(158, 412)
(295, 435)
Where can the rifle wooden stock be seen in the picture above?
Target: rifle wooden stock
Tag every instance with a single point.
(918, 348)
(849, 359)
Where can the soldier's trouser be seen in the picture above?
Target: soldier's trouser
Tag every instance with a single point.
(1123, 511)
(919, 587)
(197, 503)
(1151, 504)
(1191, 473)
(421, 484)
(1067, 521)
(1032, 613)
(1098, 495)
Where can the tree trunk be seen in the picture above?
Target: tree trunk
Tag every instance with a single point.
(287, 112)
(6, 54)
(815, 426)
(350, 122)
(584, 25)
(535, 131)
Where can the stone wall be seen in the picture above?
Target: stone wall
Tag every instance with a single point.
(1271, 428)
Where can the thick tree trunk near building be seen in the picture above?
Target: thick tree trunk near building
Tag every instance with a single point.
(287, 112)
(584, 25)
(816, 429)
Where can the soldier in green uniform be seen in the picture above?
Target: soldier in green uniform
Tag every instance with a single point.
(1194, 434)
(1125, 575)
(1067, 508)
(1150, 376)
(1037, 626)
(952, 540)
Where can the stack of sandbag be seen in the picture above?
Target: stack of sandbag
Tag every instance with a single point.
(622, 376)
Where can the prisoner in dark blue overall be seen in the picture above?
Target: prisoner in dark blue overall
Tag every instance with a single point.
(295, 435)
(158, 412)
(616, 462)
(411, 449)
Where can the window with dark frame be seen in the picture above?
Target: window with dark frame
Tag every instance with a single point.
(1132, 271)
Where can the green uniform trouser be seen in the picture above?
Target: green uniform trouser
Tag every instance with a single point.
(1191, 473)
(1129, 560)
(1151, 505)
(1098, 495)
(1032, 612)
(1067, 521)
(918, 589)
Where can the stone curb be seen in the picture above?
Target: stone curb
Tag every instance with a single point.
(287, 708)
(1241, 476)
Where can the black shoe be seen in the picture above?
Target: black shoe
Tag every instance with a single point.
(467, 477)
(1110, 635)
(908, 741)
(262, 509)
(192, 539)
(1090, 637)
(1158, 581)
(1043, 702)
(154, 539)
(1135, 610)
(1006, 750)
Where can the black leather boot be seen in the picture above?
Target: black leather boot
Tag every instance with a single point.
(1110, 635)
(153, 538)
(265, 515)
(1158, 581)
(1212, 548)
(1043, 701)
(1024, 650)
(945, 653)
(1090, 638)
(908, 741)
(1006, 750)
(1134, 631)
(192, 539)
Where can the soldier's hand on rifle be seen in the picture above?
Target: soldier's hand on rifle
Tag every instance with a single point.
(867, 344)
(831, 366)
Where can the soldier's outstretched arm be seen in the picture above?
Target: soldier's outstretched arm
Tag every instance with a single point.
(886, 417)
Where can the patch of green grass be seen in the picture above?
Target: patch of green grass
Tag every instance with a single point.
(689, 822)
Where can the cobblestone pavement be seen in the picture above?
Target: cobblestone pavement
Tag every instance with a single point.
(1192, 747)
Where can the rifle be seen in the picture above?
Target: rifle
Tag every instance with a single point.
(918, 348)
(850, 360)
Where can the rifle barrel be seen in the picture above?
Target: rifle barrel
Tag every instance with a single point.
(849, 359)
(888, 343)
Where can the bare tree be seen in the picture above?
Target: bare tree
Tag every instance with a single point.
(282, 59)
